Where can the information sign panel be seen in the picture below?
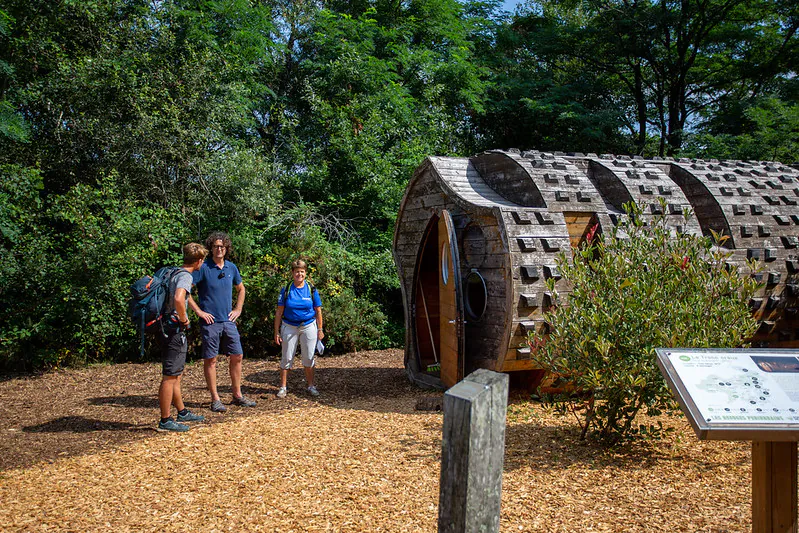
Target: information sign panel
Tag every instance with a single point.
(736, 394)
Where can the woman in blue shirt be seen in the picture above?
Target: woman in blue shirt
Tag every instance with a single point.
(298, 319)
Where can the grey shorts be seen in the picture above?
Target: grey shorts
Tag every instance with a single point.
(173, 353)
(220, 338)
(305, 336)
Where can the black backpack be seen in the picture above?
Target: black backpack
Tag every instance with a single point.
(150, 299)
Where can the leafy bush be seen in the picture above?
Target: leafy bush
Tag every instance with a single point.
(350, 280)
(632, 291)
(69, 259)
(68, 264)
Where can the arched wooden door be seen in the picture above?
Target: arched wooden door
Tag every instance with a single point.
(450, 296)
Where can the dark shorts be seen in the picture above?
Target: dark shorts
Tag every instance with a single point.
(220, 338)
(173, 353)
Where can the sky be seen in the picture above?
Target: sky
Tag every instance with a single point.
(510, 5)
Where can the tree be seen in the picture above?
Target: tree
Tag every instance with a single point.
(12, 126)
(771, 133)
(152, 123)
(672, 60)
(375, 91)
(140, 141)
(637, 289)
(542, 98)
(156, 92)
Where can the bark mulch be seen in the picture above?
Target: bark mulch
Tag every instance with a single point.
(79, 452)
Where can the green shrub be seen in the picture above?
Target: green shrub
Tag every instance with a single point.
(352, 283)
(69, 264)
(68, 260)
(639, 288)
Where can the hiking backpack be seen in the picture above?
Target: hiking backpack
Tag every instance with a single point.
(150, 298)
(290, 283)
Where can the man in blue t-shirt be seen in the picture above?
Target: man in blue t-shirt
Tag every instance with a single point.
(215, 281)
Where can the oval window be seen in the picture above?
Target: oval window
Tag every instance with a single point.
(476, 295)
(444, 264)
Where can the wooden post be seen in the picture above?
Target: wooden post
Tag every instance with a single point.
(472, 453)
(774, 487)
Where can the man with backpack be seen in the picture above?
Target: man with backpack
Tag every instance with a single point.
(215, 280)
(175, 322)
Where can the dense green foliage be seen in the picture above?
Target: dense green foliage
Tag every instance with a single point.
(639, 74)
(639, 288)
(130, 127)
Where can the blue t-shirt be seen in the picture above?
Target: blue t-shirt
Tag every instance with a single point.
(299, 306)
(215, 287)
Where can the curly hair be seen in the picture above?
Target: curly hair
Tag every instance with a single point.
(219, 236)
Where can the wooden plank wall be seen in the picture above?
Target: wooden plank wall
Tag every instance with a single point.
(421, 202)
(759, 203)
(514, 247)
(427, 198)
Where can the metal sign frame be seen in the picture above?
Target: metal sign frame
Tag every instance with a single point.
(724, 430)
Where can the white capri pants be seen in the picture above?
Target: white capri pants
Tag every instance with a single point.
(306, 336)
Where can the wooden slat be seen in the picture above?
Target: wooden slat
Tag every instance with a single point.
(449, 353)
(488, 364)
(774, 487)
(522, 364)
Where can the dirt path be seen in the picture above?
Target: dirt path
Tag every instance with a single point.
(72, 412)
(78, 452)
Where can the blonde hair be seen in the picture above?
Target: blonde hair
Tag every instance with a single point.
(193, 252)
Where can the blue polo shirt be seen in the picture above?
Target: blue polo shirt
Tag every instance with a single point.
(215, 287)
(298, 305)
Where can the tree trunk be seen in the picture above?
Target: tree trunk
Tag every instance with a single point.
(676, 107)
(640, 105)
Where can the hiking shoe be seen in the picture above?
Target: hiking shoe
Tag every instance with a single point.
(171, 425)
(190, 417)
(218, 407)
(281, 392)
(243, 401)
(312, 391)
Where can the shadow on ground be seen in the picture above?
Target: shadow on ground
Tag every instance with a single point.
(78, 424)
(341, 382)
(138, 401)
(558, 447)
(61, 414)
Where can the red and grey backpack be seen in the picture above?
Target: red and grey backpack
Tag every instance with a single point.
(150, 302)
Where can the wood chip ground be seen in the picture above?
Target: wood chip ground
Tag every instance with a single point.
(79, 452)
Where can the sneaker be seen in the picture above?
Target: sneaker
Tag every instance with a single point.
(171, 425)
(312, 391)
(190, 417)
(243, 401)
(281, 393)
(218, 407)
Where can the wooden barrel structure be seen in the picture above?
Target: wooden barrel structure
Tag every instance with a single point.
(476, 238)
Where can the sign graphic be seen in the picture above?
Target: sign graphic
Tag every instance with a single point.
(736, 394)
